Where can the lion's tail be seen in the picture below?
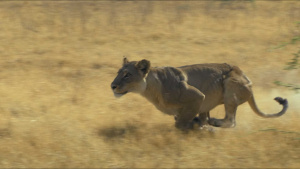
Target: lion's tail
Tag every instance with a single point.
(280, 100)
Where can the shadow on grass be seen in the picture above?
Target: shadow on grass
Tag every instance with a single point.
(115, 132)
(5, 133)
(137, 132)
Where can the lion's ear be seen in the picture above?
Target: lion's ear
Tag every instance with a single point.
(143, 65)
(125, 60)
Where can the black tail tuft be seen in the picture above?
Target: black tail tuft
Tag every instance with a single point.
(281, 100)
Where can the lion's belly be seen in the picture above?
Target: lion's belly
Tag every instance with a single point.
(207, 106)
(212, 100)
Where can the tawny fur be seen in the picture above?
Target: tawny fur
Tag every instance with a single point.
(188, 91)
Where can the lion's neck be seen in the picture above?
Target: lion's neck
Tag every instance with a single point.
(153, 88)
(154, 94)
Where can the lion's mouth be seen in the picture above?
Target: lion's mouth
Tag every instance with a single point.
(120, 94)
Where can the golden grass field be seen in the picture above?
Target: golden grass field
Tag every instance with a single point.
(57, 60)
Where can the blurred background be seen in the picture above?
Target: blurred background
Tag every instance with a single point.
(57, 60)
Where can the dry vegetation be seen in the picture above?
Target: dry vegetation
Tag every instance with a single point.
(57, 60)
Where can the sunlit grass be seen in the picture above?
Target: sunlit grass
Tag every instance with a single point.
(57, 60)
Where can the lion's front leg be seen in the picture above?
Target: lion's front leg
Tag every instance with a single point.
(191, 100)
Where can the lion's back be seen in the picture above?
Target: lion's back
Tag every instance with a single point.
(206, 76)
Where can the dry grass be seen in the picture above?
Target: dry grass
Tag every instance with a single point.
(59, 58)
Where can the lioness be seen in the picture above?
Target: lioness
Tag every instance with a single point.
(190, 90)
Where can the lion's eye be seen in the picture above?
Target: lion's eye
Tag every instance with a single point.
(127, 75)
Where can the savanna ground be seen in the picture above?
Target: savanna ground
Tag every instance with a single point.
(57, 60)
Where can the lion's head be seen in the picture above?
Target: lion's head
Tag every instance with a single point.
(131, 77)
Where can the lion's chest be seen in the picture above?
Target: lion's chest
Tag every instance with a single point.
(167, 110)
(163, 106)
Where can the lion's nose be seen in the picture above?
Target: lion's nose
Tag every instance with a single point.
(113, 86)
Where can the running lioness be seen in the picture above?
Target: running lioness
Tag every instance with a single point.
(188, 91)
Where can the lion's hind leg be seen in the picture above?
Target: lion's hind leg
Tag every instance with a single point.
(228, 121)
(237, 90)
(231, 102)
